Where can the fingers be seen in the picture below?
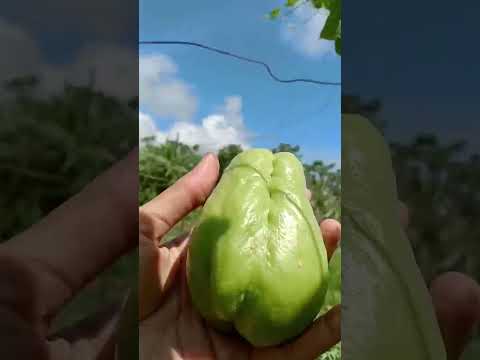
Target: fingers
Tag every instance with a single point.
(159, 215)
(159, 265)
(148, 278)
(158, 269)
(84, 235)
(321, 336)
(331, 231)
(456, 299)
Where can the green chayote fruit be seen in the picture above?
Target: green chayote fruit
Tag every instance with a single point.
(388, 313)
(257, 263)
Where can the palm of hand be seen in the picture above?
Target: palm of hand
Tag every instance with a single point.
(176, 330)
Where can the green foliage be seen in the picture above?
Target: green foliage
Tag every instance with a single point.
(295, 150)
(161, 166)
(325, 184)
(275, 13)
(332, 30)
(226, 154)
(291, 3)
(439, 184)
(441, 191)
(50, 148)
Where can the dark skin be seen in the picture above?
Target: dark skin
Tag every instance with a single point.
(42, 268)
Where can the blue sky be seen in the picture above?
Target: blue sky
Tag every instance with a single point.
(205, 97)
(423, 68)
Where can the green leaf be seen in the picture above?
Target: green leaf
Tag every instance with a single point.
(275, 13)
(332, 25)
(318, 4)
(338, 45)
(291, 3)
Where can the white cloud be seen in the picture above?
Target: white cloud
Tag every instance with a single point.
(304, 29)
(224, 127)
(146, 126)
(115, 67)
(162, 92)
(22, 54)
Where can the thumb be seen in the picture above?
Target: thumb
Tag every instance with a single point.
(159, 215)
(456, 299)
(158, 266)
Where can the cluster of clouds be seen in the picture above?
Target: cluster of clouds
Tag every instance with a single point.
(115, 70)
(165, 95)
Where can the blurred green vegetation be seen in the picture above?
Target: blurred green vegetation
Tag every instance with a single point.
(51, 146)
(438, 182)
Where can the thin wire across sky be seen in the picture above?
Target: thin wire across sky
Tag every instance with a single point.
(242, 58)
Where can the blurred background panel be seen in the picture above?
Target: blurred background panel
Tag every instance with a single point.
(412, 70)
(68, 111)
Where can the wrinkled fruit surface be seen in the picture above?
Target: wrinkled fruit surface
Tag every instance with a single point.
(257, 263)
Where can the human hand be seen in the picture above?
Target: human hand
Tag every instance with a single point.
(44, 267)
(170, 327)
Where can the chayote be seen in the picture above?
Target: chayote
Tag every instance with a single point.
(257, 263)
(388, 313)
